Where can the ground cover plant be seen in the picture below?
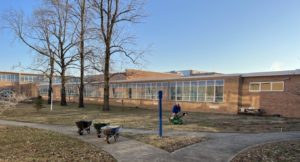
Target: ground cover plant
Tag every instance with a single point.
(168, 143)
(287, 151)
(131, 117)
(28, 144)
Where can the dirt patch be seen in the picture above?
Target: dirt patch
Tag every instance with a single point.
(287, 151)
(168, 143)
(27, 144)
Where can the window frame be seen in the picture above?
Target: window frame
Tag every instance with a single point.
(271, 84)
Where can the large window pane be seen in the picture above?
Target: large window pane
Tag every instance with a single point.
(154, 91)
(265, 86)
(186, 91)
(148, 92)
(193, 95)
(210, 91)
(140, 91)
(179, 91)
(254, 87)
(219, 94)
(172, 91)
(201, 91)
(277, 86)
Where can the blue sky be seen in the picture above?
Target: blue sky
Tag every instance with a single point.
(229, 36)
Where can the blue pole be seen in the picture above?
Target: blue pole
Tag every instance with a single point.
(160, 95)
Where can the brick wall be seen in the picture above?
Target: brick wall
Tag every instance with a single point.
(286, 103)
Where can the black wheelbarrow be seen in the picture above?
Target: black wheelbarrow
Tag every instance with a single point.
(111, 131)
(98, 127)
(83, 125)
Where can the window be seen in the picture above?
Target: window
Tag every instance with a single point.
(254, 87)
(133, 87)
(210, 91)
(277, 86)
(266, 86)
(186, 91)
(179, 91)
(43, 90)
(195, 91)
(219, 91)
(172, 92)
(148, 92)
(72, 90)
(154, 91)
(193, 95)
(201, 91)
(140, 91)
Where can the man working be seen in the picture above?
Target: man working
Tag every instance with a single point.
(176, 109)
(176, 116)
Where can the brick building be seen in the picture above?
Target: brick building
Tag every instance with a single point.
(275, 92)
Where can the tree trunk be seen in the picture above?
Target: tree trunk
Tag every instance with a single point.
(63, 100)
(106, 79)
(82, 32)
(81, 88)
(50, 89)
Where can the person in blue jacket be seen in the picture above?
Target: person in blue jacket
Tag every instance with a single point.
(176, 109)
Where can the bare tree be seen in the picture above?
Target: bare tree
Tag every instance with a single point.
(85, 36)
(64, 30)
(112, 14)
(35, 34)
(50, 32)
(80, 14)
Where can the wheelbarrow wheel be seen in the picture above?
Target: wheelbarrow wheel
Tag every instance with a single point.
(116, 136)
(80, 132)
(107, 139)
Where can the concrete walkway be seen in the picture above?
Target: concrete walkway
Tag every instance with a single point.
(220, 147)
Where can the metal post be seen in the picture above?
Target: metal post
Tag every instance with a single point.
(160, 95)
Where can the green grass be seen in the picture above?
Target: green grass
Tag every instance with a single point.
(27, 144)
(148, 119)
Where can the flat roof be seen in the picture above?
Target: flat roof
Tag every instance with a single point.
(244, 75)
(272, 73)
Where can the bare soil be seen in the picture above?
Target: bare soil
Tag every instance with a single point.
(285, 151)
(168, 143)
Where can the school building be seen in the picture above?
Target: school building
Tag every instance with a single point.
(275, 92)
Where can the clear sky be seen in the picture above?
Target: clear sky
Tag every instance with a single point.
(229, 36)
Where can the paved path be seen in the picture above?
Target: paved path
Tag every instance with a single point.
(220, 147)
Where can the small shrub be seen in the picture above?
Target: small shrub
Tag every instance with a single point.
(39, 103)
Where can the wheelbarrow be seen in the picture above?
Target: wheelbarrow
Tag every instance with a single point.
(98, 127)
(111, 131)
(177, 119)
(82, 126)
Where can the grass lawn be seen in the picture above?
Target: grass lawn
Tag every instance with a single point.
(168, 143)
(287, 151)
(27, 144)
(148, 119)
